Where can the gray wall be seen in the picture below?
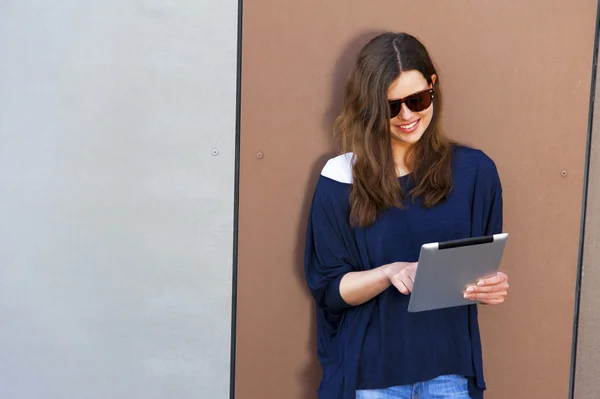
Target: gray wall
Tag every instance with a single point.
(587, 368)
(115, 218)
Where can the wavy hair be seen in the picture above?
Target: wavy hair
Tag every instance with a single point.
(363, 127)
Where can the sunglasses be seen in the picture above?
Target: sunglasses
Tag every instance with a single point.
(415, 102)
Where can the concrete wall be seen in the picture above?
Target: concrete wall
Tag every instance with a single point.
(116, 220)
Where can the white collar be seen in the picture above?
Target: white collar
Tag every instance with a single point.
(340, 168)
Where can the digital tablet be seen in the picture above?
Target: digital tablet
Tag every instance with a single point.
(446, 269)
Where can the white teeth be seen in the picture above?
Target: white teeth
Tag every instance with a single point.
(409, 126)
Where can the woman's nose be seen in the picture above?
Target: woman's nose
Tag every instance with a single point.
(405, 113)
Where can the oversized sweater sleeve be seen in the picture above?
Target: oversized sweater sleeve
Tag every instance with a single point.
(486, 219)
(332, 251)
(487, 199)
(328, 240)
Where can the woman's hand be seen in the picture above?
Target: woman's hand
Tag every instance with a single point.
(402, 275)
(490, 291)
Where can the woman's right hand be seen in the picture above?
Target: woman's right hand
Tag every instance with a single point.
(357, 288)
(402, 275)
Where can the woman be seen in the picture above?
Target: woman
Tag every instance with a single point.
(399, 184)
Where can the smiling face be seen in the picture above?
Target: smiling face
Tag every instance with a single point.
(408, 126)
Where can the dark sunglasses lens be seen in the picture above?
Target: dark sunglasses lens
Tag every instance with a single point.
(418, 102)
(394, 108)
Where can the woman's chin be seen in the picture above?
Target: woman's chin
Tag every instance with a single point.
(408, 138)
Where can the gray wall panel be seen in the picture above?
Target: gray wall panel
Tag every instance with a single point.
(587, 362)
(116, 221)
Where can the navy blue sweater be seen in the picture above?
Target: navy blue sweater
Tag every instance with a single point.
(379, 344)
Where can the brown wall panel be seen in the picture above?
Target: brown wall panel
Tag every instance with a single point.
(516, 79)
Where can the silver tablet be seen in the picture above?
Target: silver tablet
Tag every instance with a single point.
(446, 269)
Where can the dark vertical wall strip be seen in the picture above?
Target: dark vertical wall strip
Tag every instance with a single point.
(236, 209)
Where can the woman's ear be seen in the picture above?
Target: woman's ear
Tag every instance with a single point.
(433, 79)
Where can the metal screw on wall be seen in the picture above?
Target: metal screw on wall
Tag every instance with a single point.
(259, 155)
(214, 152)
(564, 173)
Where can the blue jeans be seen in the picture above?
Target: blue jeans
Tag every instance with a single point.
(446, 386)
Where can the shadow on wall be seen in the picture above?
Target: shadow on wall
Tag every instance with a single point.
(340, 74)
(310, 374)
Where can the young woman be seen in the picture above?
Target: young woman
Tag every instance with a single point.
(399, 184)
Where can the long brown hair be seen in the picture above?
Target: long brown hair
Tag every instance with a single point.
(363, 127)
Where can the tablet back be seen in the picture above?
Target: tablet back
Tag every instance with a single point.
(446, 269)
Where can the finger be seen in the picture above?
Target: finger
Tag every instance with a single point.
(493, 301)
(399, 284)
(479, 295)
(488, 288)
(493, 280)
(409, 284)
(486, 296)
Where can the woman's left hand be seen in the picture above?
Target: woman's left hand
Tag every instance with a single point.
(491, 291)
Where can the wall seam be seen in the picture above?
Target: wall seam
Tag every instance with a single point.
(236, 207)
